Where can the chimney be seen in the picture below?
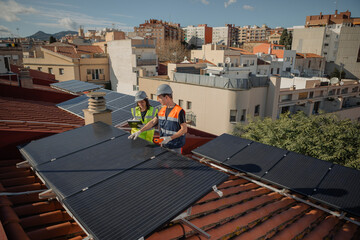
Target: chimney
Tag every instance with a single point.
(55, 49)
(25, 80)
(97, 111)
(105, 48)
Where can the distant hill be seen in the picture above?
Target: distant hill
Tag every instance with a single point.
(45, 36)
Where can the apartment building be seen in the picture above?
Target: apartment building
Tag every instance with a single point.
(224, 35)
(160, 30)
(252, 33)
(339, 43)
(214, 104)
(198, 36)
(274, 38)
(282, 61)
(221, 55)
(314, 96)
(69, 62)
(129, 59)
(310, 65)
(11, 51)
(331, 19)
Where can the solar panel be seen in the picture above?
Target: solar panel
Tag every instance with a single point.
(136, 202)
(341, 189)
(222, 148)
(75, 86)
(256, 159)
(119, 103)
(119, 188)
(59, 145)
(298, 172)
(72, 173)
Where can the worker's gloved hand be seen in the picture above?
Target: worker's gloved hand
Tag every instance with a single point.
(134, 135)
(166, 140)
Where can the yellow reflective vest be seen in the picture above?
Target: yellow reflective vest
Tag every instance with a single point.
(150, 114)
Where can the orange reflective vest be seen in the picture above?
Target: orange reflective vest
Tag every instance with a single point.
(170, 125)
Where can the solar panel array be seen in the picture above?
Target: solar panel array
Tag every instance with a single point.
(119, 103)
(114, 187)
(75, 86)
(323, 181)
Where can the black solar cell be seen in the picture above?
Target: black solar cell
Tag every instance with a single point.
(341, 189)
(136, 202)
(222, 148)
(298, 172)
(256, 159)
(84, 168)
(59, 145)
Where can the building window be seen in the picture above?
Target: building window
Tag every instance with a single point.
(50, 70)
(243, 115)
(271, 71)
(278, 71)
(233, 114)
(135, 88)
(309, 64)
(358, 57)
(311, 95)
(257, 110)
(94, 74)
(188, 105)
(61, 71)
(39, 69)
(153, 96)
(181, 103)
(285, 109)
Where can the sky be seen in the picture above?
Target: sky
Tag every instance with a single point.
(26, 17)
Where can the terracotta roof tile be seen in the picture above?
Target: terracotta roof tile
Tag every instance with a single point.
(308, 55)
(74, 51)
(243, 51)
(35, 116)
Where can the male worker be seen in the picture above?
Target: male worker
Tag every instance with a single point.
(143, 112)
(171, 119)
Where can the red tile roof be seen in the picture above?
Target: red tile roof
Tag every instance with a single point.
(308, 55)
(242, 51)
(264, 48)
(36, 116)
(74, 51)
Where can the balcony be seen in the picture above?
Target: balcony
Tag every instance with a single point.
(145, 62)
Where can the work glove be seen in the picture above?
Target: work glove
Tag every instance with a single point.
(134, 135)
(165, 140)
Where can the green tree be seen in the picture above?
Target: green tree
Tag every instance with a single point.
(336, 73)
(52, 39)
(288, 41)
(322, 136)
(283, 37)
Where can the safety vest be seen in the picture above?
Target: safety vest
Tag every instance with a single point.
(150, 114)
(170, 126)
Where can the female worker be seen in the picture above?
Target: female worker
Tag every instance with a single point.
(145, 113)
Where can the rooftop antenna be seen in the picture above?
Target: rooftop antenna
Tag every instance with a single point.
(336, 5)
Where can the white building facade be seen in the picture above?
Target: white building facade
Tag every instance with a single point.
(129, 59)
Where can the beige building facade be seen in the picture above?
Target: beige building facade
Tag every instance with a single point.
(338, 43)
(217, 109)
(66, 64)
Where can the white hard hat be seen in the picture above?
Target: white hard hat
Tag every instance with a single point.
(140, 95)
(164, 89)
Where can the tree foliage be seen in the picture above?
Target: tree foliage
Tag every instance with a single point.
(286, 39)
(52, 39)
(323, 136)
(172, 51)
(336, 73)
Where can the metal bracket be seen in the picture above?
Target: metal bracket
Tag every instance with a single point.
(24, 164)
(183, 215)
(220, 193)
(48, 194)
(195, 228)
